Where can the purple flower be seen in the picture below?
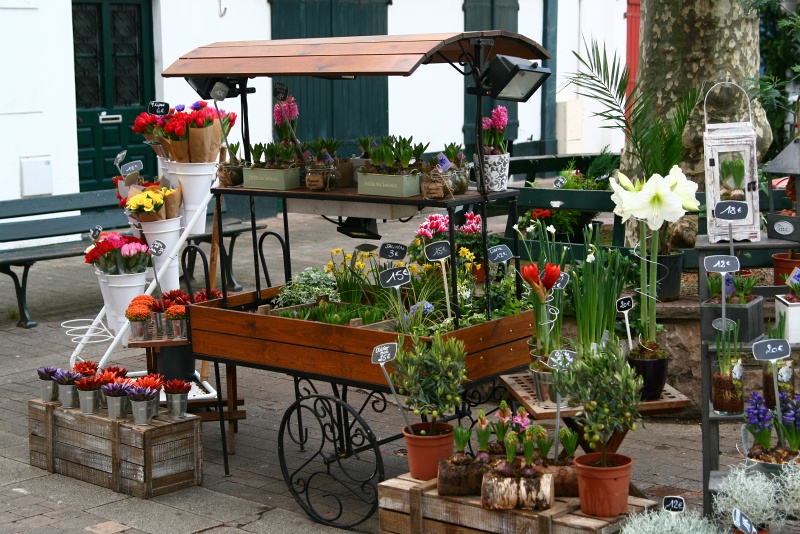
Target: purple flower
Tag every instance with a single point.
(790, 410)
(139, 393)
(47, 373)
(197, 106)
(180, 107)
(757, 415)
(66, 378)
(115, 389)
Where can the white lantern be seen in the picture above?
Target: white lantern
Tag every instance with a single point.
(731, 174)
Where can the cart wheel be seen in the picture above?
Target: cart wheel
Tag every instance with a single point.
(330, 460)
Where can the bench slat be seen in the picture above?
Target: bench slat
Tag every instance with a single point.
(78, 224)
(53, 204)
(22, 256)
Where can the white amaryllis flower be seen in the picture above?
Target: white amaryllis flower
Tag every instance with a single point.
(622, 198)
(551, 229)
(684, 188)
(656, 203)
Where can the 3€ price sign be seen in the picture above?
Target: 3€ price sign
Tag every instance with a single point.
(674, 503)
(131, 167)
(158, 247)
(395, 277)
(438, 250)
(500, 253)
(280, 91)
(384, 353)
(721, 264)
(624, 304)
(157, 108)
(771, 349)
(392, 251)
(731, 210)
(743, 523)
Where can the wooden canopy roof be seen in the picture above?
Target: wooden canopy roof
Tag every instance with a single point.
(336, 57)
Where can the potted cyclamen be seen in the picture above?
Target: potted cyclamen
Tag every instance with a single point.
(177, 393)
(610, 392)
(47, 386)
(67, 392)
(117, 398)
(430, 376)
(495, 158)
(89, 393)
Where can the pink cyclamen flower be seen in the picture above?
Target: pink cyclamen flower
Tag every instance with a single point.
(500, 118)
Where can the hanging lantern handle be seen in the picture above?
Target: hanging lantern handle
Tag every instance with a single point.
(747, 99)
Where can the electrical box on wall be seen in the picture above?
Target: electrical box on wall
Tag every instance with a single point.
(36, 175)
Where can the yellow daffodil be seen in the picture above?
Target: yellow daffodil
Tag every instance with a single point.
(359, 265)
(347, 257)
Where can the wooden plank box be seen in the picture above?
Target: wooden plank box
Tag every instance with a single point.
(143, 461)
(339, 352)
(409, 506)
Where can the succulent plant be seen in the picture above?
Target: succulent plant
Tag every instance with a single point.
(66, 378)
(115, 389)
(47, 373)
(140, 393)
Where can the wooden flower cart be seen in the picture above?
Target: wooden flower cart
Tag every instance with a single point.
(330, 458)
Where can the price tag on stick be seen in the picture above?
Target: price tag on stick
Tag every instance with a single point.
(562, 281)
(131, 167)
(280, 91)
(158, 247)
(559, 182)
(625, 305)
(500, 254)
(95, 232)
(119, 159)
(386, 353)
(393, 251)
(731, 210)
(674, 504)
(743, 523)
(440, 251)
(561, 360)
(721, 264)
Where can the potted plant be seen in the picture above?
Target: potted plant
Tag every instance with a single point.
(117, 398)
(321, 173)
(788, 306)
(230, 173)
(395, 168)
(177, 393)
(47, 385)
(89, 393)
(280, 169)
(461, 474)
(67, 392)
(495, 158)
(430, 375)
(141, 399)
(175, 317)
(726, 381)
(139, 316)
(740, 305)
(610, 392)
(665, 522)
(785, 367)
(307, 286)
(752, 493)
(459, 179)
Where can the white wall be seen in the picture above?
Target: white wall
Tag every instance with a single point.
(429, 104)
(531, 25)
(37, 102)
(244, 20)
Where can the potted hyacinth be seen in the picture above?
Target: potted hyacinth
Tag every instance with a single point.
(395, 168)
(759, 424)
(48, 386)
(495, 158)
(461, 474)
(321, 173)
(740, 305)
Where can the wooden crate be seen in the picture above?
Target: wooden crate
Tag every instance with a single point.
(410, 506)
(143, 461)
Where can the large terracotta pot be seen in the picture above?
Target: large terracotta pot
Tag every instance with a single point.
(424, 452)
(603, 490)
(781, 264)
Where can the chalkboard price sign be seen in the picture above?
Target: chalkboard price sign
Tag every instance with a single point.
(384, 353)
(743, 523)
(393, 251)
(500, 253)
(95, 232)
(561, 359)
(562, 281)
(771, 349)
(559, 182)
(721, 264)
(731, 210)
(131, 167)
(157, 108)
(624, 304)
(439, 250)
(158, 247)
(280, 91)
(673, 503)
(395, 277)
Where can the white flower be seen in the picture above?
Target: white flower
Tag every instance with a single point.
(590, 257)
(625, 182)
(515, 227)
(551, 229)
(622, 198)
(684, 188)
(530, 229)
(736, 372)
(656, 203)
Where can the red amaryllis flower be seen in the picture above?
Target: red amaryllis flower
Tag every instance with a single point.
(530, 273)
(551, 274)
(87, 368)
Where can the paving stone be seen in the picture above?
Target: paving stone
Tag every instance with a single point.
(153, 517)
(109, 527)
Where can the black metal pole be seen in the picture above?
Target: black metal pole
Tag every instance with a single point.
(222, 422)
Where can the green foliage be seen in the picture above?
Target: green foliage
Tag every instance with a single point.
(744, 286)
(306, 287)
(664, 522)
(365, 144)
(257, 151)
(462, 436)
(430, 375)
(777, 329)
(233, 152)
(714, 283)
(610, 392)
(336, 313)
(569, 441)
(728, 349)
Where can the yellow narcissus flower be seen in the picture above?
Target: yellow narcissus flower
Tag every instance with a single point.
(348, 256)
(329, 267)
(336, 251)
(398, 264)
(413, 268)
(359, 265)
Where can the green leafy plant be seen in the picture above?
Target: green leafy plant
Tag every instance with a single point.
(306, 287)
(728, 349)
(744, 286)
(257, 152)
(569, 442)
(714, 283)
(609, 390)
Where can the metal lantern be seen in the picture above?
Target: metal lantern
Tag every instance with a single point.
(730, 165)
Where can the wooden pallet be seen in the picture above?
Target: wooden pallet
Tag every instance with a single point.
(408, 506)
(143, 461)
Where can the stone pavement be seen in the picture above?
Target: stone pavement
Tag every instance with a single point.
(254, 498)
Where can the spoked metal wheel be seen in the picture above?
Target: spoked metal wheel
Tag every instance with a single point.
(330, 460)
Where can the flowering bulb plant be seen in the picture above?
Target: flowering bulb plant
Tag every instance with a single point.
(285, 116)
(436, 227)
(494, 131)
(177, 386)
(352, 273)
(114, 253)
(759, 421)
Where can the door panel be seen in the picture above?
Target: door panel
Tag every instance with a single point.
(113, 83)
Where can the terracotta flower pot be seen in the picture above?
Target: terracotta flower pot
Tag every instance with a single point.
(603, 490)
(424, 452)
(782, 264)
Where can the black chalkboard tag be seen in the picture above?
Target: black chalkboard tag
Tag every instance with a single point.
(158, 247)
(721, 264)
(95, 232)
(743, 523)
(131, 167)
(562, 359)
(120, 157)
(157, 108)
(624, 304)
(384, 353)
(392, 251)
(731, 210)
(771, 349)
(280, 91)
(673, 503)
(395, 277)
(562, 281)
(439, 250)
(500, 253)
(559, 182)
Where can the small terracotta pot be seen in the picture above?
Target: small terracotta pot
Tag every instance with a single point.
(424, 452)
(603, 490)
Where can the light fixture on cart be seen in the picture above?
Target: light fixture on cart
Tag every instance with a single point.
(512, 78)
(359, 227)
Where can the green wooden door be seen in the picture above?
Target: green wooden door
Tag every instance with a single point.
(113, 58)
(344, 109)
(481, 15)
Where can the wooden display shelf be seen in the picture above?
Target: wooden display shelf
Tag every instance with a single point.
(410, 506)
(143, 461)
(520, 386)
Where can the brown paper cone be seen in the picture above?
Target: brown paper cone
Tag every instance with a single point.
(216, 128)
(152, 137)
(179, 150)
(172, 204)
(134, 190)
(150, 217)
(201, 145)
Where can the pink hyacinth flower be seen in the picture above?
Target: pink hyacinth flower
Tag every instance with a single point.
(500, 118)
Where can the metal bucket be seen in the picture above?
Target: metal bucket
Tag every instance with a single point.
(546, 390)
(176, 405)
(48, 390)
(118, 407)
(89, 401)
